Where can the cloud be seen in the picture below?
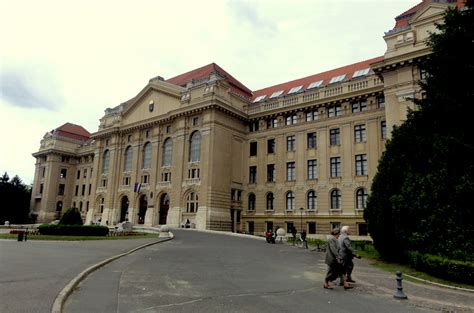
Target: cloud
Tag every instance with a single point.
(247, 12)
(29, 88)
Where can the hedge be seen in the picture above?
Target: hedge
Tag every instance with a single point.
(442, 267)
(73, 230)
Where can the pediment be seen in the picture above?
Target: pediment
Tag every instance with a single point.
(428, 11)
(153, 101)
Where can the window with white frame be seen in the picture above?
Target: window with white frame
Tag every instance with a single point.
(192, 203)
(335, 111)
(312, 115)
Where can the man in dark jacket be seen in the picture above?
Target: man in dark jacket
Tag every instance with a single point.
(347, 253)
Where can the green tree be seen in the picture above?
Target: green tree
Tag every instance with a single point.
(14, 200)
(421, 197)
(71, 217)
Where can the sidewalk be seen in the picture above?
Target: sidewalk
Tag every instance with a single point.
(33, 273)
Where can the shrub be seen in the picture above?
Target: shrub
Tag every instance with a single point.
(442, 267)
(73, 230)
(71, 217)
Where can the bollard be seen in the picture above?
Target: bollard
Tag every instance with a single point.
(399, 294)
(20, 236)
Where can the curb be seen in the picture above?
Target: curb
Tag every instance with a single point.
(439, 285)
(68, 289)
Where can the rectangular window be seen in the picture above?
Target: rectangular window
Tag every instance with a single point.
(271, 146)
(90, 189)
(289, 227)
(359, 133)
(41, 189)
(104, 183)
(381, 101)
(145, 179)
(336, 167)
(85, 173)
(312, 169)
(195, 121)
(312, 228)
(334, 225)
(361, 164)
(126, 181)
(272, 123)
(61, 189)
(77, 190)
(335, 111)
(83, 190)
(383, 127)
(252, 174)
(78, 174)
(253, 148)
(43, 172)
(362, 229)
(334, 137)
(290, 143)
(359, 106)
(291, 119)
(166, 177)
(193, 173)
(290, 171)
(311, 140)
(270, 173)
(312, 116)
(63, 173)
(253, 126)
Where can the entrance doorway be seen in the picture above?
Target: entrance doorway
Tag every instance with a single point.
(59, 208)
(142, 209)
(124, 209)
(164, 207)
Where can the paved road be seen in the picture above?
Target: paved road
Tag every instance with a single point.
(32, 273)
(201, 272)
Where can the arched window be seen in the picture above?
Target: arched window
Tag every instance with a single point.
(105, 162)
(290, 201)
(251, 202)
(195, 147)
(127, 163)
(312, 200)
(146, 157)
(192, 203)
(361, 198)
(167, 152)
(335, 199)
(270, 199)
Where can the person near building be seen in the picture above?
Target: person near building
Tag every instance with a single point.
(333, 260)
(347, 254)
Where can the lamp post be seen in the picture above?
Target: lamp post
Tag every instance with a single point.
(301, 218)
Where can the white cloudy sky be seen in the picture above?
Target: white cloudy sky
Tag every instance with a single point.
(66, 61)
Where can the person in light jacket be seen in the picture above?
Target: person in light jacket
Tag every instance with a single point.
(333, 260)
(347, 253)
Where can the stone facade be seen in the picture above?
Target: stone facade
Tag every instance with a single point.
(201, 147)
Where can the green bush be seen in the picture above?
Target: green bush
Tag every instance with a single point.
(442, 267)
(73, 230)
(71, 217)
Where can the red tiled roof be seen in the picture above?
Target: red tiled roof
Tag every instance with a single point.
(202, 72)
(72, 131)
(402, 19)
(325, 76)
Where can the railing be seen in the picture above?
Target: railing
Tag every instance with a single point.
(316, 94)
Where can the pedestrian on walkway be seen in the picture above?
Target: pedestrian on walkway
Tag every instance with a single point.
(293, 233)
(347, 254)
(333, 260)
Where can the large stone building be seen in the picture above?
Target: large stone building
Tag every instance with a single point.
(203, 147)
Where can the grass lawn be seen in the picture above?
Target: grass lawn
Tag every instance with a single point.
(370, 253)
(79, 238)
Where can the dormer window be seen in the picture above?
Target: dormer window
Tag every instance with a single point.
(276, 94)
(259, 98)
(315, 84)
(361, 73)
(295, 89)
(337, 79)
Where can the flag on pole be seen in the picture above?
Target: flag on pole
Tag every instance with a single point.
(137, 187)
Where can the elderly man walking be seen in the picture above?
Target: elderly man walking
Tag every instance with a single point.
(333, 260)
(347, 253)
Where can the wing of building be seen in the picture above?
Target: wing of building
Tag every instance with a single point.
(202, 147)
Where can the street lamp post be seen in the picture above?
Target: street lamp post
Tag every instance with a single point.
(301, 218)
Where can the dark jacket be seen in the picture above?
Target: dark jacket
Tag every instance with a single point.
(332, 251)
(347, 252)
